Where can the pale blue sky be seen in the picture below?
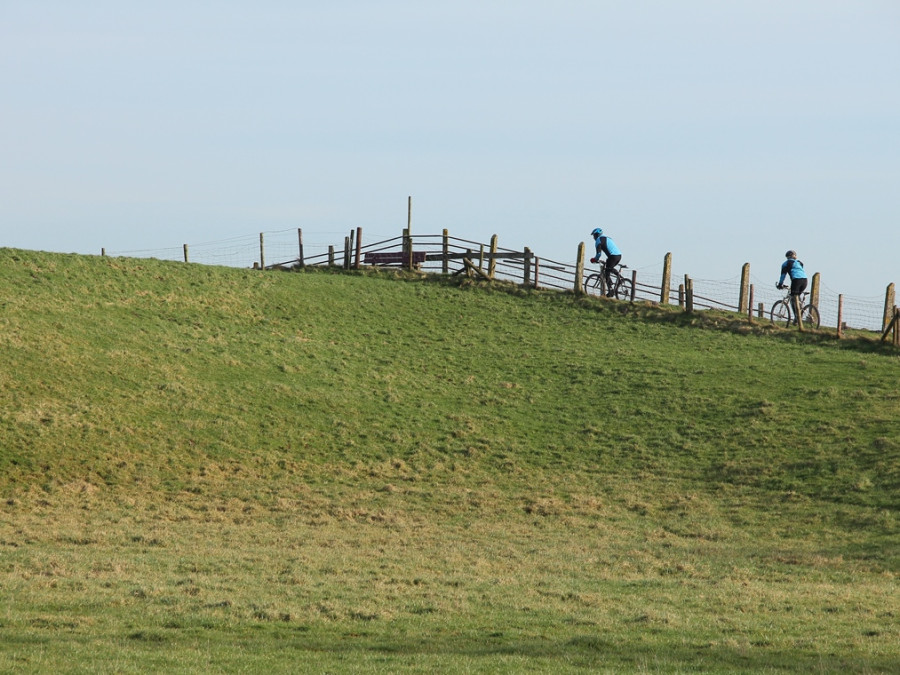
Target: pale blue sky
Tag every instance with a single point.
(723, 131)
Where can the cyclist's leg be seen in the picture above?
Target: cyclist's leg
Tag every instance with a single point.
(797, 288)
(611, 262)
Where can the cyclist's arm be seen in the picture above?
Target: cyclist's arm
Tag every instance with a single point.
(784, 271)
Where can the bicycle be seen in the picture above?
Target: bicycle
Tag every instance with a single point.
(782, 311)
(621, 286)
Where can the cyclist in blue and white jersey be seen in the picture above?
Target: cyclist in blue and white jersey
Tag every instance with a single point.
(606, 245)
(793, 268)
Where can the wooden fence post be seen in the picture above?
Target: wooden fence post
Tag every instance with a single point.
(814, 291)
(262, 252)
(688, 294)
(358, 247)
(681, 295)
(300, 242)
(750, 303)
(492, 263)
(445, 262)
(888, 306)
(761, 311)
(896, 326)
(185, 253)
(633, 284)
(537, 267)
(348, 250)
(331, 255)
(579, 269)
(407, 250)
(103, 252)
(840, 322)
(666, 280)
(743, 301)
(408, 262)
(527, 279)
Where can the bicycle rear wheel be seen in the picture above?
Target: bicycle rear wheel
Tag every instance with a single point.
(810, 316)
(623, 289)
(781, 314)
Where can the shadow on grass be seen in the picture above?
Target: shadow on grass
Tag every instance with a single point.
(603, 653)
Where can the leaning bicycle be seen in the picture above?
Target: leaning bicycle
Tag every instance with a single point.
(620, 287)
(782, 313)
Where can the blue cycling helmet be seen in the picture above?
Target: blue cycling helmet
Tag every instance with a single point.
(596, 232)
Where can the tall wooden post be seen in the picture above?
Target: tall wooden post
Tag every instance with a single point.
(750, 303)
(492, 263)
(888, 306)
(300, 260)
(579, 270)
(409, 262)
(893, 327)
(527, 260)
(346, 253)
(743, 301)
(795, 300)
(537, 269)
(358, 247)
(262, 252)
(185, 253)
(666, 280)
(814, 291)
(633, 284)
(407, 250)
(840, 326)
(331, 255)
(896, 321)
(445, 249)
(688, 294)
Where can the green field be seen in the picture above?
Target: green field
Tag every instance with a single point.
(208, 469)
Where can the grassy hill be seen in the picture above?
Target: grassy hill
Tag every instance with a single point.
(216, 469)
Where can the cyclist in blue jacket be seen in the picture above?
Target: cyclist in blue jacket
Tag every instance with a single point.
(613, 256)
(793, 268)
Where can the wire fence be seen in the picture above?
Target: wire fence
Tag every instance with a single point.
(442, 254)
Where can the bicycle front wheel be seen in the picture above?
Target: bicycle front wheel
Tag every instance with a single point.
(781, 314)
(810, 315)
(592, 281)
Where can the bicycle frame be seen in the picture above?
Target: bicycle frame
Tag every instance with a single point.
(621, 286)
(785, 310)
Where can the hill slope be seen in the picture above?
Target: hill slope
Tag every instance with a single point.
(173, 365)
(143, 392)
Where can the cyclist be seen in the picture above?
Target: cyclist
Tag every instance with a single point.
(793, 268)
(606, 245)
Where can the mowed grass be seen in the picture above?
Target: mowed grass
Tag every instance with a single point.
(219, 470)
